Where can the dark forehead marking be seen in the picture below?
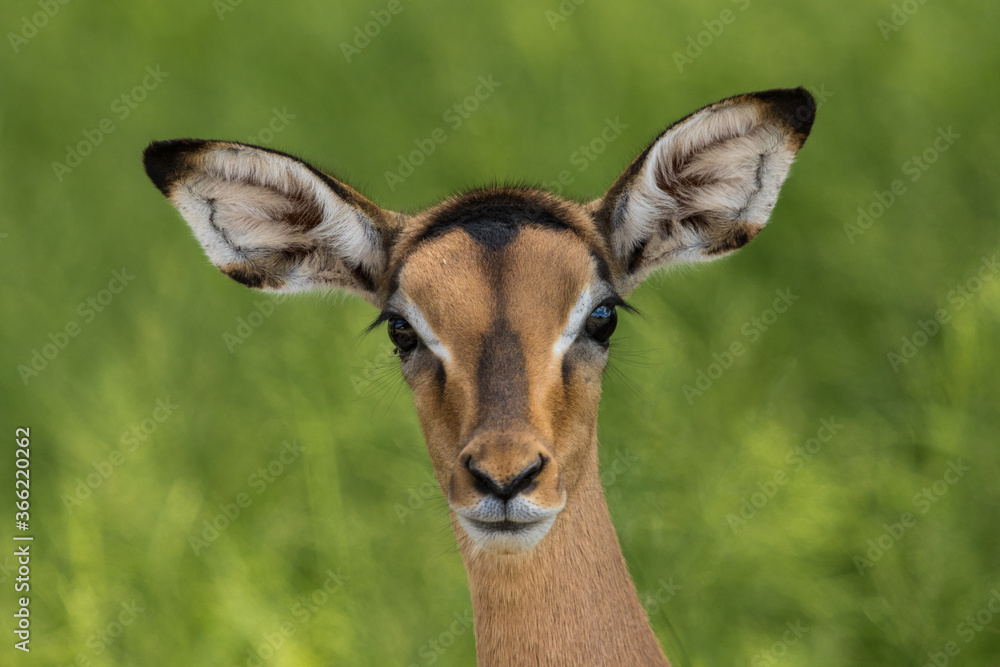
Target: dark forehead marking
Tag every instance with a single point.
(603, 270)
(494, 219)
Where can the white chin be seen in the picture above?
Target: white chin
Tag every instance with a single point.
(503, 539)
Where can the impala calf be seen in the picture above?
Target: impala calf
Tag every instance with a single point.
(501, 302)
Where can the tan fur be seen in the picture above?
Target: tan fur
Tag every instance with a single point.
(498, 285)
(543, 275)
(568, 601)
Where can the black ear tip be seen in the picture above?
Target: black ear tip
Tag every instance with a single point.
(166, 161)
(796, 106)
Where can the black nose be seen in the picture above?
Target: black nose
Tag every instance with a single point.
(486, 484)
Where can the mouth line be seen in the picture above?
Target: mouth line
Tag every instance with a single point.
(504, 526)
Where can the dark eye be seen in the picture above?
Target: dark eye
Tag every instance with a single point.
(402, 335)
(602, 322)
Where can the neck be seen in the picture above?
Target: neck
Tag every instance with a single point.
(568, 601)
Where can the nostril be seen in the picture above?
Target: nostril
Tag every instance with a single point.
(487, 485)
(483, 482)
(525, 477)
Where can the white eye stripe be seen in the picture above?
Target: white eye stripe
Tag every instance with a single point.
(581, 311)
(416, 319)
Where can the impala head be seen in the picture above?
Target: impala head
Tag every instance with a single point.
(501, 302)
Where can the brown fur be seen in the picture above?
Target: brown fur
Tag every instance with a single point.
(506, 390)
(568, 601)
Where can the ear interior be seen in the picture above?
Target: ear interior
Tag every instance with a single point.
(707, 185)
(271, 221)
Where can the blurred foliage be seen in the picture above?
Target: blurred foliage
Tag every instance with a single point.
(334, 523)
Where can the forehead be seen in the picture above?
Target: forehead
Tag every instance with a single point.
(462, 285)
(494, 219)
(489, 250)
(503, 262)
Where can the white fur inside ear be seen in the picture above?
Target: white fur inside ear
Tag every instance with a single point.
(725, 163)
(238, 200)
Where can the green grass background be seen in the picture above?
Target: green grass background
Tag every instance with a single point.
(304, 375)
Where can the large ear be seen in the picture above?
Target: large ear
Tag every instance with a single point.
(706, 186)
(271, 221)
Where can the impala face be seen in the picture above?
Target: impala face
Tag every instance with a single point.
(502, 314)
(500, 302)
